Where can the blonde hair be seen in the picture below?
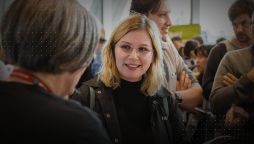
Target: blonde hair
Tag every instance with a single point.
(153, 78)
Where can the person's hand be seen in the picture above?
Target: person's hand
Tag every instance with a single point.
(236, 116)
(184, 82)
(229, 79)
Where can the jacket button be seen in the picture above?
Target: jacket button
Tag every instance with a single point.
(107, 115)
(116, 140)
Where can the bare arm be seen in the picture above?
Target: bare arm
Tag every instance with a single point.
(191, 97)
(189, 88)
(187, 85)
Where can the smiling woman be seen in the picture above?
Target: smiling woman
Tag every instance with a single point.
(133, 54)
(136, 33)
(129, 96)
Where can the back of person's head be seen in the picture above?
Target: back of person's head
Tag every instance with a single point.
(145, 6)
(176, 38)
(220, 40)
(189, 47)
(199, 39)
(109, 73)
(203, 50)
(240, 7)
(51, 36)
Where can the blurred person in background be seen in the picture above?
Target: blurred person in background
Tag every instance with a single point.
(221, 39)
(179, 44)
(199, 39)
(179, 79)
(95, 66)
(202, 53)
(239, 14)
(189, 53)
(233, 92)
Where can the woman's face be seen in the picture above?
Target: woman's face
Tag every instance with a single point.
(201, 62)
(162, 19)
(134, 55)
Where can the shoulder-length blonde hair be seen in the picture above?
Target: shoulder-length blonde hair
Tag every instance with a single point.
(153, 78)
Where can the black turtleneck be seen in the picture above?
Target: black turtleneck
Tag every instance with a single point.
(133, 113)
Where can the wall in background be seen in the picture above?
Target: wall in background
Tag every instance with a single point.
(214, 19)
(210, 14)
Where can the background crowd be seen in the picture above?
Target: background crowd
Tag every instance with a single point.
(62, 80)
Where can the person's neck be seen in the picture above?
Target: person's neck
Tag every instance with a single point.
(164, 39)
(238, 44)
(55, 83)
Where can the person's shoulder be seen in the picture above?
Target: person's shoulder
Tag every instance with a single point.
(94, 82)
(244, 52)
(241, 51)
(74, 113)
(83, 123)
(220, 47)
(83, 112)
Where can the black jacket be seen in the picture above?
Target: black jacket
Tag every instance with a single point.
(29, 114)
(167, 127)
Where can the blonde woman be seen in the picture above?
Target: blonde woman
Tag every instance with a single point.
(128, 93)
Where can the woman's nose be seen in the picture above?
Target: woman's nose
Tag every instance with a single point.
(133, 54)
(168, 22)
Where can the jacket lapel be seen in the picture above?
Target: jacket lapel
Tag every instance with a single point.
(109, 113)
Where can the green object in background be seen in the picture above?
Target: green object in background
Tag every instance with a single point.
(186, 32)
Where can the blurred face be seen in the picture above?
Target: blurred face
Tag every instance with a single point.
(134, 55)
(241, 26)
(201, 61)
(178, 44)
(162, 19)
